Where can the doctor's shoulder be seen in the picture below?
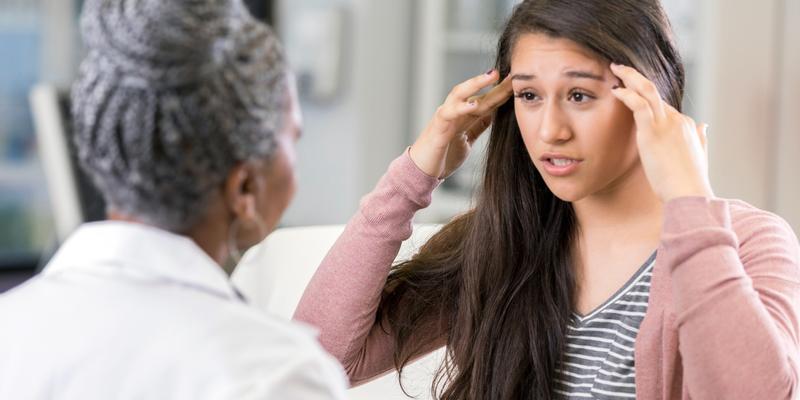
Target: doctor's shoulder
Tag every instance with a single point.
(258, 356)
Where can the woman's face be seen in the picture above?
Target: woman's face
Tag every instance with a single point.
(578, 135)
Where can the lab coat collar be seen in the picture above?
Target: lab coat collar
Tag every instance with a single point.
(123, 247)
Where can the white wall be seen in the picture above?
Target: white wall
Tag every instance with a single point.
(348, 142)
(59, 45)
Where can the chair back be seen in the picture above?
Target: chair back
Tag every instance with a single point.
(274, 274)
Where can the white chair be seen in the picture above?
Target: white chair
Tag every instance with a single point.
(274, 274)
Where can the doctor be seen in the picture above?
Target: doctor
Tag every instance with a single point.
(185, 118)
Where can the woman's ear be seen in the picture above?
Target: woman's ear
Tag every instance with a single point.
(239, 192)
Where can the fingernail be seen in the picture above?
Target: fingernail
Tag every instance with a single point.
(489, 72)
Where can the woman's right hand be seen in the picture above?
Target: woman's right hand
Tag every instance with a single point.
(447, 140)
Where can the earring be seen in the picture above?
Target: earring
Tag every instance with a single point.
(234, 252)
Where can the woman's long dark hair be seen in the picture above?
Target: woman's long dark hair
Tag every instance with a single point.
(499, 280)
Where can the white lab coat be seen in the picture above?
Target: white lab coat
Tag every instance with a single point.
(126, 311)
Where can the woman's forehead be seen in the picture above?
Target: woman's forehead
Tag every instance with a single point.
(543, 52)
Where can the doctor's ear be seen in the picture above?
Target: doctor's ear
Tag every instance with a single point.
(240, 191)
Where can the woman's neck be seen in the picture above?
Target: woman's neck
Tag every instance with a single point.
(630, 205)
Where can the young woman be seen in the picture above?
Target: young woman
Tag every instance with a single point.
(597, 262)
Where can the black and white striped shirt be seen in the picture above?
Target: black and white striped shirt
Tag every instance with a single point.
(598, 361)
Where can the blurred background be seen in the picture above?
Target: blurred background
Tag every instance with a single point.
(371, 74)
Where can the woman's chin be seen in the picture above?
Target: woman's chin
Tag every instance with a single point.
(568, 193)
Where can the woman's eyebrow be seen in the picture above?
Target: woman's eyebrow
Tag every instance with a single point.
(570, 74)
(584, 75)
(523, 77)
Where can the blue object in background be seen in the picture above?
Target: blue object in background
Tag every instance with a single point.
(21, 48)
(24, 212)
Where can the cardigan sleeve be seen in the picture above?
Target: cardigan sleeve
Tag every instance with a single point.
(342, 298)
(736, 290)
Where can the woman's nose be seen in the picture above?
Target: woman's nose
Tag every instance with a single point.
(554, 127)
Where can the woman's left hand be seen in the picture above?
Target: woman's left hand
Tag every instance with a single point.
(672, 146)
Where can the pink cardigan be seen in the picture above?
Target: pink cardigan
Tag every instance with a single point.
(722, 321)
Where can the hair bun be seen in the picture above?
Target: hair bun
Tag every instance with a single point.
(157, 42)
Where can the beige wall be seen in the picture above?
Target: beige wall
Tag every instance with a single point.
(787, 183)
(750, 100)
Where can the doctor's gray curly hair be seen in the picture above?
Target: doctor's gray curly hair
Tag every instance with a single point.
(171, 95)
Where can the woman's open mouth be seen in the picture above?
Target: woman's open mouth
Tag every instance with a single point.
(559, 165)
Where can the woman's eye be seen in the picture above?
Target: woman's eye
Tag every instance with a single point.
(579, 97)
(527, 96)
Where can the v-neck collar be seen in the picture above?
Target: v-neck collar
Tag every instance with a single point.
(582, 319)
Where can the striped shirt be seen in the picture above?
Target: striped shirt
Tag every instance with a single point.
(598, 362)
